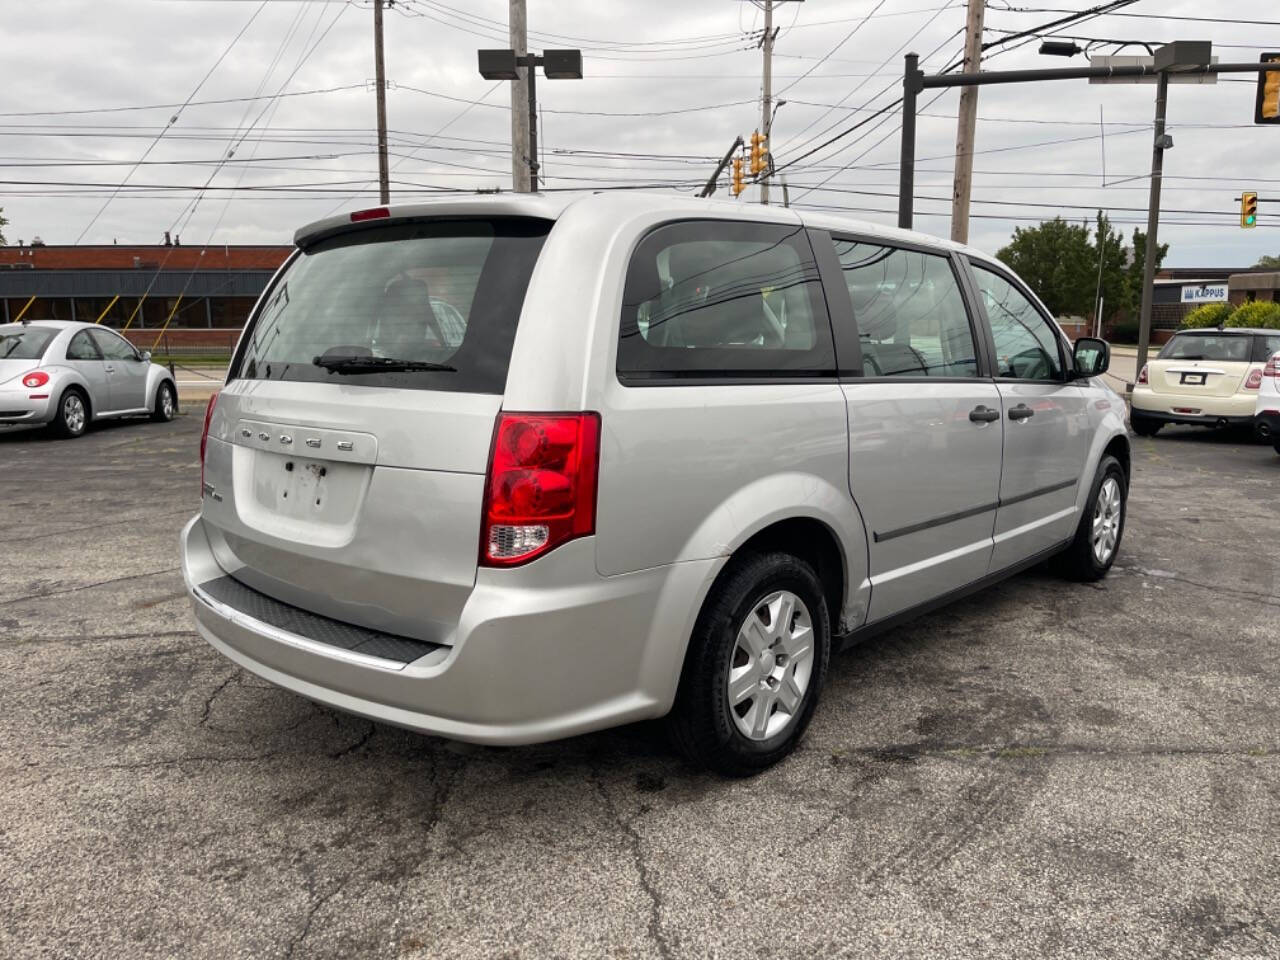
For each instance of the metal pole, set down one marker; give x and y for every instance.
(380, 78)
(1153, 223)
(966, 125)
(767, 99)
(786, 197)
(520, 95)
(531, 78)
(907, 162)
(710, 188)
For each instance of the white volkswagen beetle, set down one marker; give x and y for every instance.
(69, 374)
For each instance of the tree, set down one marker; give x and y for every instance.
(1271, 263)
(3, 221)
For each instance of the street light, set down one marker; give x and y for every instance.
(556, 64)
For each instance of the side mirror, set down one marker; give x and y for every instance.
(146, 356)
(1092, 357)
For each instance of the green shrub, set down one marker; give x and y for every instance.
(1208, 315)
(1259, 313)
(1124, 331)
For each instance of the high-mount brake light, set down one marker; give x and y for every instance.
(540, 488)
(36, 378)
(377, 213)
(204, 437)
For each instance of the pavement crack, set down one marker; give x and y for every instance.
(179, 761)
(642, 867)
(208, 704)
(1265, 599)
(368, 735)
(186, 511)
(315, 908)
(82, 639)
(85, 586)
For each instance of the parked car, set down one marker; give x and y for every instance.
(683, 450)
(1266, 419)
(68, 374)
(1208, 378)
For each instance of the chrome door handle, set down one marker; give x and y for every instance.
(983, 414)
(1021, 412)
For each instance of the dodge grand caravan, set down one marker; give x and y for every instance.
(507, 469)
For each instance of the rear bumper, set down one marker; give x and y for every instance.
(541, 652)
(16, 406)
(1236, 409)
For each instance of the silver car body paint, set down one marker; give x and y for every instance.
(382, 526)
(118, 388)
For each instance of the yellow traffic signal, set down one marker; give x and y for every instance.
(1268, 108)
(1248, 210)
(759, 150)
(737, 186)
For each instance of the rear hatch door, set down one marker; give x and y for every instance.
(345, 467)
(1209, 364)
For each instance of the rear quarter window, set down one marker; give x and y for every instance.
(440, 292)
(722, 299)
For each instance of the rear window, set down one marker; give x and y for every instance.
(1264, 345)
(444, 294)
(713, 298)
(18, 342)
(1223, 347)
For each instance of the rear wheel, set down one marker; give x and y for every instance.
(166, 406)
(1097, 539)
(755, 666)
(72, 418)
(1144, 427)
(1276, 446)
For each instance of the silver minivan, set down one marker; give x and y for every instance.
(511, 468)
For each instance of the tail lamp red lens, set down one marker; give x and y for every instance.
(540, 489)
(36, 378)
(1142, 374)
(1254, 380)
(204, 436)
(1272, 369)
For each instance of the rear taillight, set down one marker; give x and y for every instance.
(540, 489)
(36, 378)
(1142, 374)
(204, 436)
(1272, 369)
(1254, 380)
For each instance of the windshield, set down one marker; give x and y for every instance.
(426, 305)
(1223, 347)
(19, 342)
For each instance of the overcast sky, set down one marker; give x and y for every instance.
(687, 72)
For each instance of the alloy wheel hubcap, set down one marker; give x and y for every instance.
(73, 413)
(771, 666)
(1106, 520)
(166, 402)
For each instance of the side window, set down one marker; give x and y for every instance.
(909, 311)
(82, 348)
(718, 298)
(1264, 346)
(113, 347)
(1027, 348)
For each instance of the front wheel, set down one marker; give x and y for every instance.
(755, 666)
(166, 403)
(1097, 539)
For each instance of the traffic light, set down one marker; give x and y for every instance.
(758, 153)
(1268, 108)
(1248, 210)
(737, 186)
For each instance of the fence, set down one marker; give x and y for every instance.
(189, 342)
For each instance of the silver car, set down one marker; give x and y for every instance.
(68, 374)
(682, 451)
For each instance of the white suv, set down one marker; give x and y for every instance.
(678, 451)
(1266, 419)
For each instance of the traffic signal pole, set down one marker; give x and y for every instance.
(380, 78)
(710, 188)
(767, 98)
(1153, 221)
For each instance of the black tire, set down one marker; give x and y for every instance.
(701, 724)
(1276, 446)
(71, 421)
(1144, 427)
(1080, 561)
(162, 413)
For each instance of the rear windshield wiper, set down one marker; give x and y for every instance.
(354, 363)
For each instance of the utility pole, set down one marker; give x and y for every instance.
(767, 100)
(1153, 220)
(966, 125)
(380, 78)
(521, 182)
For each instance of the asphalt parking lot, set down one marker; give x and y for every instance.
(1045, 770)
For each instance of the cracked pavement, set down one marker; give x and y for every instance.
(1046, 769)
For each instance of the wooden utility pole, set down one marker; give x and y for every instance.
(520, 150)
(767, 99)
(380, 78)
(967, 124)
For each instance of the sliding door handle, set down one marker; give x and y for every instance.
(1021, 412)
(981, 414)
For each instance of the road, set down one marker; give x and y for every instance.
(1046, 770)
